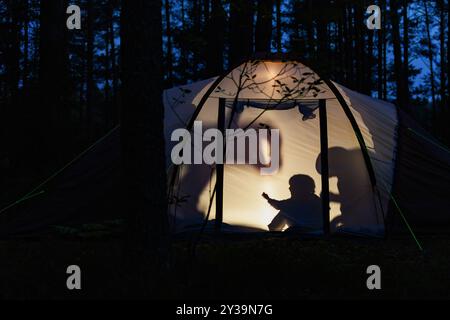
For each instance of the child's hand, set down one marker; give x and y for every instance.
(265, 196)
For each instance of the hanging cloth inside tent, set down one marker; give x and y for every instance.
(306, 108)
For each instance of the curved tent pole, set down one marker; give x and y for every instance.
(355, 127)
(194, 117)
(361, 141)
(366, 156)
(325, 195)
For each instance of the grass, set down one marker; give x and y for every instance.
(270, 267)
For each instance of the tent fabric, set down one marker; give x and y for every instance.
(378, 123)
(422, 179)
(408, 164)
(87, 191)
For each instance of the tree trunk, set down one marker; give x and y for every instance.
(107, 87)
(113, 59)
(183, 48)
(369, 57)
(448, 60)
(215, 39)
(169, 56)
(241, 31)
(206, 11)
(196, 14)
(398, 67)
(26, 45)
(90, 69)
(406, 55)
(279, 33)
(447, 106)
(346, 40)
(360, 48)
(263, 35)
(322, 62)
(430, 60)
(340, 47)
(349, 46)
(53, 80)
(143, 151)
(10, 65)
(12, 62)
(442, 69)
(298, 41)
(310, 31)
(384, 18)
(381, 40)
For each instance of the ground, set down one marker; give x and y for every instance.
(274, 267)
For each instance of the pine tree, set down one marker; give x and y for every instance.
(263, 34)
(215, 29)
(241, 31)
(142, 136)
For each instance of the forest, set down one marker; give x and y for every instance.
(63, 90)
(62, 87)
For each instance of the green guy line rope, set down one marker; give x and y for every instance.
(398, 207)
(21, 200)
(406, 222)
(403, 218)
(429, 140)
(32, 193)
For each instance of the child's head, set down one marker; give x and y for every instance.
(301, 184)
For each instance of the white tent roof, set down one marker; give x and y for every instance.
(271, 80)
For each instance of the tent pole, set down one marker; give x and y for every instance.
(324, 166)
(361, 142)
(220, 167)
(356, 129)
(194, 116)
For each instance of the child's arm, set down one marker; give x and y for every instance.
(274, 203)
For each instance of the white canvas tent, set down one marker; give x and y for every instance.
(360, 136)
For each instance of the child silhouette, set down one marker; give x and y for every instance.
(302, 211)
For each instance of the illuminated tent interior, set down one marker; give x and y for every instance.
(310, 113)
(356, 154)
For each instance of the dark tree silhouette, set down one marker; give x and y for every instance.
(448, 61)
(13, 50)
(26, 43)
(279, 26)
(215, 28)
(406, 55)
(442, 57)
(112, 4)
(142, 133)
(241, 30)
(169, 55)
(381, 45)
(53, 80)
(430, 60)
(396, 43)
(263, 34)
(90, 67)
